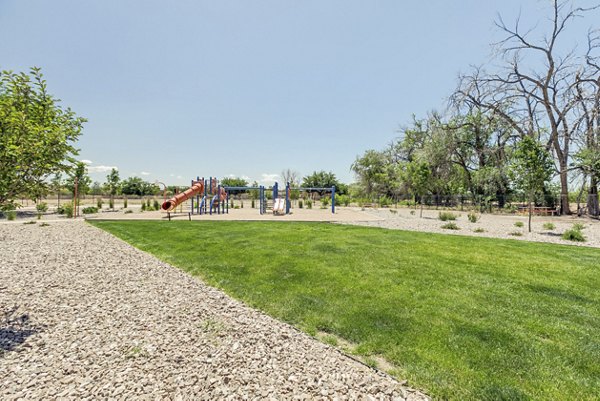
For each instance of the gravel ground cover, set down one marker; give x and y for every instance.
(493, 225)
(86, 316)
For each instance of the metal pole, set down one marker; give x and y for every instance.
(333, 199)
(75, 203)
(192, 200)
(287, 198)
(261, 195)
(197, 198)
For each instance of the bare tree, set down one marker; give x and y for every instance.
(291, 176)
(537, 98)
(588, 92)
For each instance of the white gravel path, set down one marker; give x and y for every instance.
(86, 316)
(494, 225)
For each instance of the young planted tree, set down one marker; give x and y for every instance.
(84, 182)
(80, 177)
(56, 186)
(531, 168)
(113, 184)
(37, 136)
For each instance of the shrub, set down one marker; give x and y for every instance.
(325, 200)
(44, 224)
(68, 209)
(450, 226)
(412, 212)
(300, 204)
(384, 201)
(445, 216)
(128, 211)
(11, 214)
(519, 224)
(393, 211)
(125, 203)
(148, 204)
(516, 233)
(60, 209)
(479, 230)
(309, 204)
(30, 222)
(143, 206)
(343, 200)
(473, 217)
(574, 234)
(252, 204)
(111, 203)
(90, 210)
(42, 208)
(549, 226)
(157, 205)
(99, 203)
(578, 226)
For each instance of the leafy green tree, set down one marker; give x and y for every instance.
(96, 188)
(254, 193)
(320, 179)
(132, 186)
(234, 182)
(56, 185)
(370, 170)
(113, 184)
(137, 186)
(37, 136)
(531, 168)
(83, 180)
(417, 176)
(150, 188)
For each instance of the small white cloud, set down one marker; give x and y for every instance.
(180, 177)
(268, 179)
(145, 173)
(101, 169)
(171, 175)
(86, 161)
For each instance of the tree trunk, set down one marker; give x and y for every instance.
(592, 201)
(421, 215)
(530, 212)
(565, 208)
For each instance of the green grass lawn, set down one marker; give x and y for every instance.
(461, 317)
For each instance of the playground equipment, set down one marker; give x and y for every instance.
(172, 203)
(282, 205)
(214, 198)
(315, 189)
(208, 196)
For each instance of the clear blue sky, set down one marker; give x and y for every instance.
(247, 88)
